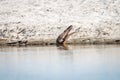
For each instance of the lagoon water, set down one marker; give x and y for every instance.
(88, 62)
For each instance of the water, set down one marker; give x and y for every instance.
(88, 62)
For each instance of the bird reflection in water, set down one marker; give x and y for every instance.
(63, 47)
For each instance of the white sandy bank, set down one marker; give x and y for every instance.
(46, 19)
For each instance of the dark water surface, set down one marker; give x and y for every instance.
(88, 62)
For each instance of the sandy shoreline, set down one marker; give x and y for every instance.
(4, 42)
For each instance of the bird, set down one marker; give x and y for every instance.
(63, 37)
